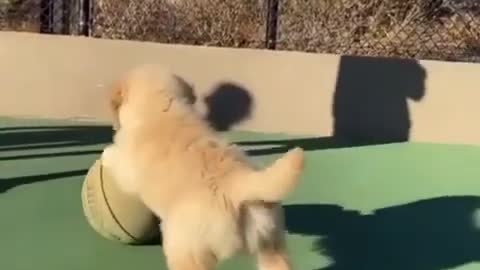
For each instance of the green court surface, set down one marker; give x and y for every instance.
(392, 207)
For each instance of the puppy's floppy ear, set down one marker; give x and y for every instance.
(166, 102)
(187, 90)
(180, 90)
(118, 96)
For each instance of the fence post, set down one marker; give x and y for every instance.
(66, 17)
(46, 16)
(56, 16)
(272, 23)
(86, 17)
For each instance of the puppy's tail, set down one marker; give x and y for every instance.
(275, 182)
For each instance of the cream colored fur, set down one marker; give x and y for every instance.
(213, 202)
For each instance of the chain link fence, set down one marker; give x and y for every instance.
(428, 29)
(233, 23)
(68, 17)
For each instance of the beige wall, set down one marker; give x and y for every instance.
(66, 77)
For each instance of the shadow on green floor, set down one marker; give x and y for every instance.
(282, 146)
(432, 234)
(41, 137)
(54, 139)
(8, 183)
(51, 155)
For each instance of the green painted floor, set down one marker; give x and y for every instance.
(356, 209)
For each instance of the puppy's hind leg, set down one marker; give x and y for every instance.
(265, 234)
(182, 253)
(276, 259)
(181, 259)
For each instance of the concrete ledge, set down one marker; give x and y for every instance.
(298, 93)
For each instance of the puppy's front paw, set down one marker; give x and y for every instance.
(108, 156)
(123, 175)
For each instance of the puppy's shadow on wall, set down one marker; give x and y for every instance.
(369, 106)
(371, 98)
(227, 105)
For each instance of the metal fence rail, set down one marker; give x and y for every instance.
(428, 29)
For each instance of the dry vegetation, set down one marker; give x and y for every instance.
(20, 15)
(233, 23)
(407, 28)
(412, 28)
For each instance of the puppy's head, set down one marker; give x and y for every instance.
(145, 90)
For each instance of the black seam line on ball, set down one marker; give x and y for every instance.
(110, 209)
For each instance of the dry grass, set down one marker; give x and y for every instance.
(405, 28)
(20, 15)
(237, 23)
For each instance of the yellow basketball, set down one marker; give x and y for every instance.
(114, 214)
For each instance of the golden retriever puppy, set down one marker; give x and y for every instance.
(212, 201)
